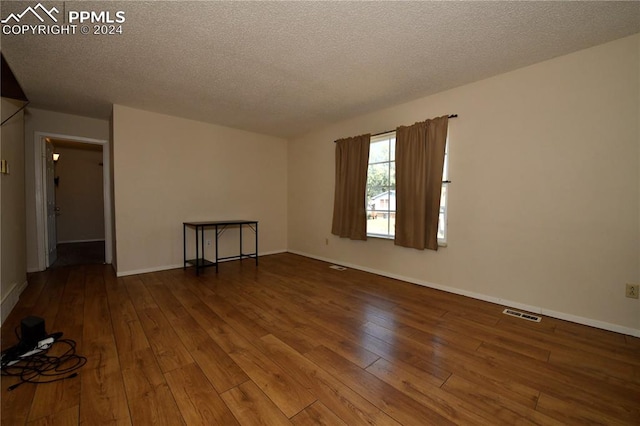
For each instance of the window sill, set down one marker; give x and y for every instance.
(388, 237)
(381, 237)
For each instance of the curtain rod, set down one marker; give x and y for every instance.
(389, 131)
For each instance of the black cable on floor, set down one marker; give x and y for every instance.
(42, 368)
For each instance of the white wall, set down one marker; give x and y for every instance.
(544, 206)
(79, 194)
(37, 120)
(169, 170)
(13, 270)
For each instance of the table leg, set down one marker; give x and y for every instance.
(216, 249)
(202, 243)
(240, 242)
(184, 246)
(197, 253)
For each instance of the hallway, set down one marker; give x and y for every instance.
(74, 254)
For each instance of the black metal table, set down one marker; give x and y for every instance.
(219, 225)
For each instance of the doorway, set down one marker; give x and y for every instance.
(78, 203)
(74, 239)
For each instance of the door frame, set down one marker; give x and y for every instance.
(41, 193)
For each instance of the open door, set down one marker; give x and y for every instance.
(52, 239)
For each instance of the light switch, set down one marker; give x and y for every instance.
(4, 167)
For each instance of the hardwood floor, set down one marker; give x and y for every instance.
(295, 342)
(73, 254)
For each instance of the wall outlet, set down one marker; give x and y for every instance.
(632, 291)
(208, 243)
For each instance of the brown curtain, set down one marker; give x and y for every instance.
(349, 214)
(419, 162)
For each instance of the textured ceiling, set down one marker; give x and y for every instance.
(285, 68)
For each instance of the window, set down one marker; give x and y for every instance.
(442, 219)
(381, 189)
(381, 186)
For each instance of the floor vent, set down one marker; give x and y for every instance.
(338, 267)
(522, 315)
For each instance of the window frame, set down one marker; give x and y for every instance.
(444, 206)
(377, 139)
(442, 242)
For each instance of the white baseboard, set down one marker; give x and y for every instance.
(507, 303)
(269, 253)
(147, 270)
(167, 267)
(10, 300)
